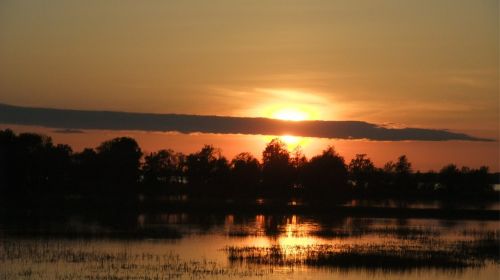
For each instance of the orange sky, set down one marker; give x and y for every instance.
(429, 64)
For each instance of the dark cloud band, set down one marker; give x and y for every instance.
(78, 119)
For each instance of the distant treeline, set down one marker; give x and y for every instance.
(31, 165)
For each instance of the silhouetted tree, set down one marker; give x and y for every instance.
(245, 174)
(449, 178)
(60, 169)
(86, 173)
(207, 171)
(7, 155)
(159, 171)
(299, 162)
(404, 174)
(31, 165)
(362, 172)
(427, 182)
(398, 176)
(277, 171)
(34, 171)
(119, 162)
(479, 180)
(403, 166)
(326, 175)
(465, 180)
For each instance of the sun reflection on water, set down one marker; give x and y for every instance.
(296, 234)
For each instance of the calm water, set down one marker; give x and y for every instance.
(187, 246)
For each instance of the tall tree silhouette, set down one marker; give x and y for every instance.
(404, 174)
(398, 176)
(86, 173)
(277, 171)
(299, 162)
(207, 168)
(119, 162)
(465, 180)
(362, 173)
(60, 169)
(449, 178)
(31, 165)
(326, 175)
(159, 171)
(245, 174)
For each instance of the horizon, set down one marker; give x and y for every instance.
(187, 133)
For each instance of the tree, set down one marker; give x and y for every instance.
(207, 168)
(299, 162)
(404, 172)
(277, 171)
(465, 180)
(362, 172)
(7, 154)
(31, 166)
(159, 170)
(326, 175)
(119, 162)
(479, 181)
(59, 171)
(449, 178)
(398, 176)
(86, 173)
(245, 174)
(403, 166)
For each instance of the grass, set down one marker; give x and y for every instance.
(398, 232)
(45, 259)
(425, 253)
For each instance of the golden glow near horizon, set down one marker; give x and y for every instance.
(291, 114)
(289, 105)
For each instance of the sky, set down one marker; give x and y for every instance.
(424, 64)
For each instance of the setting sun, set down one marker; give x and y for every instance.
(292, 142)
(290, 114)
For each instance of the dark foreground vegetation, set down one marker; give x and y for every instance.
(30, 164)
(36, 174)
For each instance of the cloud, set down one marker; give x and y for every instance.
(77, 119)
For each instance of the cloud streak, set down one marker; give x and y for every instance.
(80, 119)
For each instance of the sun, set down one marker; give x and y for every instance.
(290, 114)
(291, 142)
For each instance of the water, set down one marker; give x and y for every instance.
(189, 246)
(429, 204)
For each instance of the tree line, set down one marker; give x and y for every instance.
(31, 165)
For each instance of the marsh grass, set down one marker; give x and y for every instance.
(44, 259)
(423, 253)
(398, 232)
